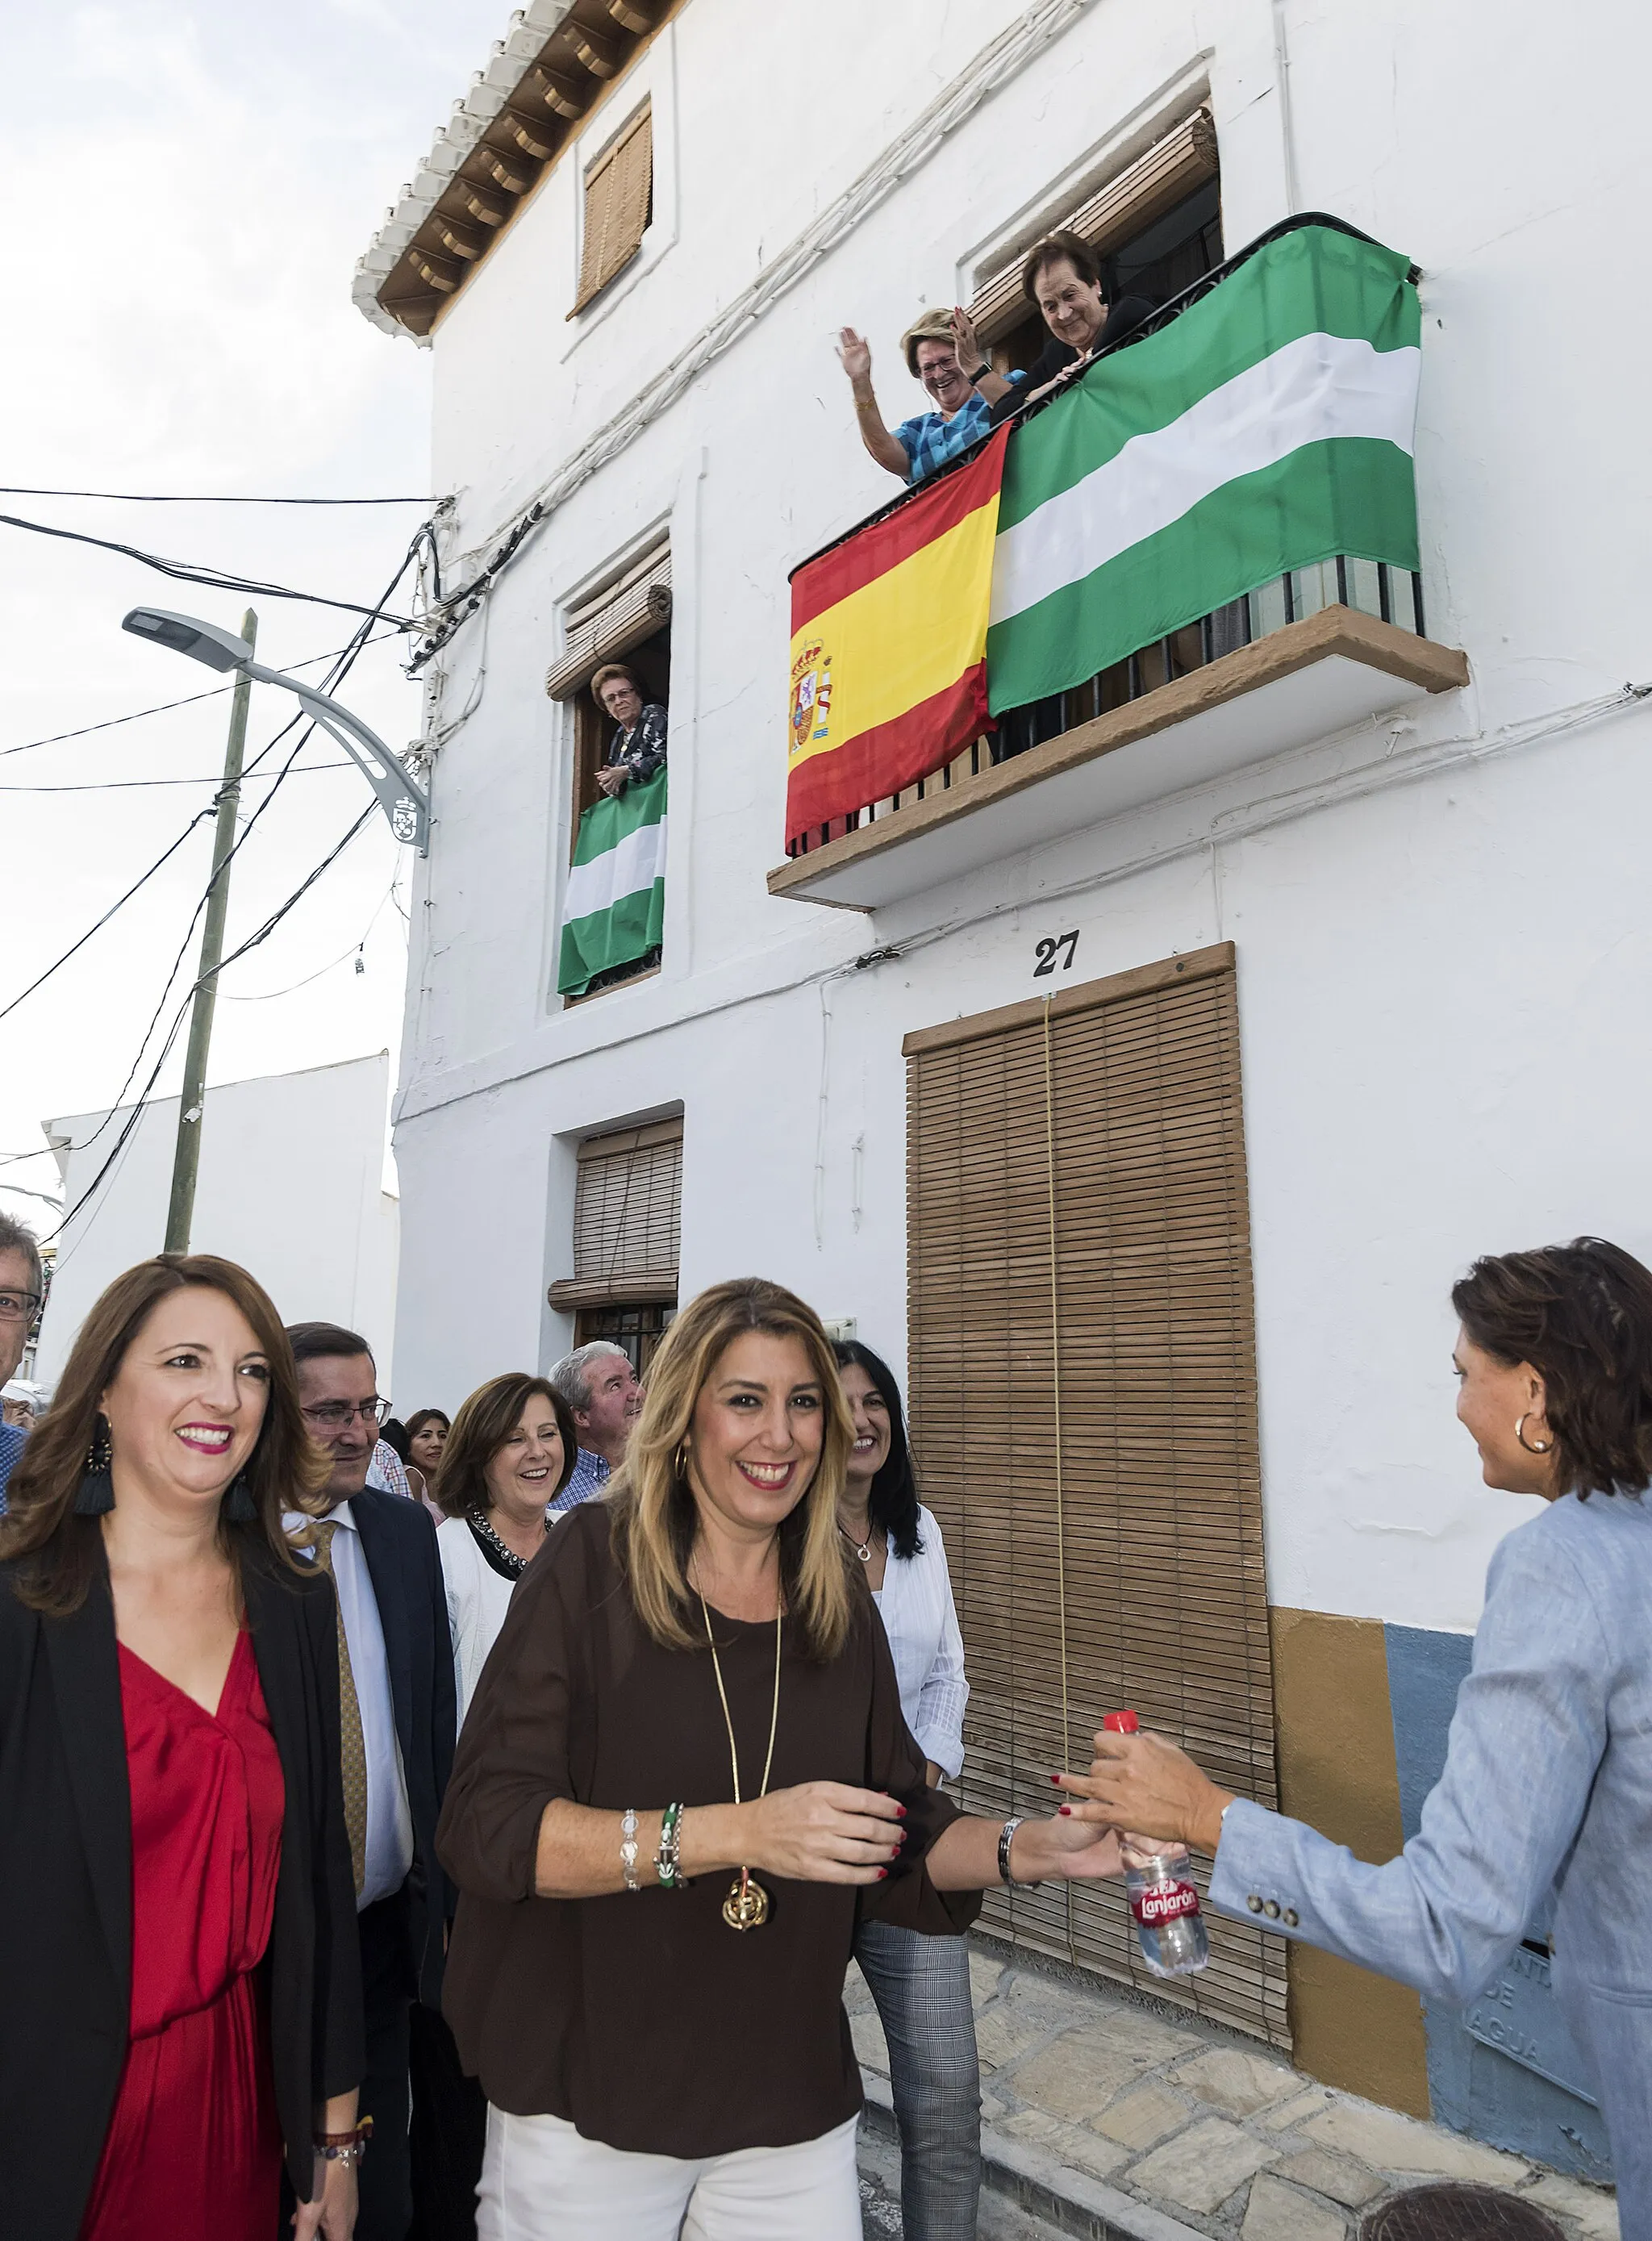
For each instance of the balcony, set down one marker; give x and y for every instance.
(1305, 445)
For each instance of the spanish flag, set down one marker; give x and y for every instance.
(889, 647)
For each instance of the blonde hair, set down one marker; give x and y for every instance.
(935, 325)
(654, 1515)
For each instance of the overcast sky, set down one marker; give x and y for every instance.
(188, 188)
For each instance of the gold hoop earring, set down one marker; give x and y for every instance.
(1532, 1446)
(679, 1461)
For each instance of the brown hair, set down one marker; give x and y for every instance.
(1054, 248)
(285, 1471)
(483, 1425)
(655, 1519)
(1582, 1316)
(420, 1417)
(607, 675)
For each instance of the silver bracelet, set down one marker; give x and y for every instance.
(1006, 1837)
(628, 1848)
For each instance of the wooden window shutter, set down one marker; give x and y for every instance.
(1168, 174)
(618, 201)
(609, 625)
(1089, 1446)
(627, 1213)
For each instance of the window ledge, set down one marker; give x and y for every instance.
(1298, 685)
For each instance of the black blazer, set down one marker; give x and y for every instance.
(66, 1886)
(399, 1540)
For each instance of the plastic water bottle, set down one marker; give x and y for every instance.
(1169, 1928)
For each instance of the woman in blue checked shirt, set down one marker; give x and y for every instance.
(943, 354)
(920, 1984)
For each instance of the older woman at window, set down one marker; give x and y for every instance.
(942, 352)
(638, 747)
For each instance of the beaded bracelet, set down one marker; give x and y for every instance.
(346, 2148)
(667, 1859)
(628, 1848)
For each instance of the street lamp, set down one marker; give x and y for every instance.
(405, 801)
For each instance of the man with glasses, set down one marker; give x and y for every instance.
(21, 1287)
(396, 1704)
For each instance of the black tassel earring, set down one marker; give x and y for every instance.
(96, 1495)
(239, 1507)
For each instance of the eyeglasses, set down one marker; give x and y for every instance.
(19, 1306)
(333, 1415)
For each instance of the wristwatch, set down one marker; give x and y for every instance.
(980, 372)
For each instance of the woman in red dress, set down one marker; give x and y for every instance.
(176, 1904)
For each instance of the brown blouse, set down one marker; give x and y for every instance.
(640, 2017)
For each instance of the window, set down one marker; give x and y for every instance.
(628, 619)
(628, 1215)
(1157, 228)
(619, 205)
(1083, 1399)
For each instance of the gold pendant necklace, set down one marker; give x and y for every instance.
(746, 1906)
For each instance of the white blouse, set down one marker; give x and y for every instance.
(478, 1598)
(922, 1622)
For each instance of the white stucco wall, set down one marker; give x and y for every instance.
(1443, 966)
(291, 1186)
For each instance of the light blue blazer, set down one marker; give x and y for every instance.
(1547, 1785)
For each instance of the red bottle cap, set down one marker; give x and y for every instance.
(1121, 1723)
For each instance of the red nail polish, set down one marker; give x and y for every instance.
(900, 1812)
(1064, 1808)
(1056, 1779)
(883, 1875)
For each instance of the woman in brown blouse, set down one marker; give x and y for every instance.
(691, 1702)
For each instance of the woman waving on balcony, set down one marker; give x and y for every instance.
(942, 352)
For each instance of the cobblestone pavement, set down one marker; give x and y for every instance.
(1122, 2111)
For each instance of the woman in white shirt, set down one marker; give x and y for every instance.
(510, 1452)
(920, 1984)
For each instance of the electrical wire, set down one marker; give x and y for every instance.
(215, 579)
(40, 982)
(164, 708)
(343, 663)
(242, 949)
(269, 995)
(121, 785)
(175, 497)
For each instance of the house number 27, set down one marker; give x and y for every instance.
(1052, 948)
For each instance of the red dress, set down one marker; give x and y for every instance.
(194, 2148)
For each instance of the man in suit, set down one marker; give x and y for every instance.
(397, 1720)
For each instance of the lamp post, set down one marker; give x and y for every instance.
(404, 802)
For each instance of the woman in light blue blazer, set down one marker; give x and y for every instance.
(1548, 1780)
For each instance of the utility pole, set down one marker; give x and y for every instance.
(186, 1158)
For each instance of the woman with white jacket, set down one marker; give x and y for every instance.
(511, 1452)
(920, 1984)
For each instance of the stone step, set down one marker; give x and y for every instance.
(1113, 2116)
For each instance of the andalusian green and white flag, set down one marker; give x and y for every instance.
(615, 911)
(1266, 427)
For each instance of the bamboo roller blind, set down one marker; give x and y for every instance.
(605, 627)
(627, 1214)
(1170, 171)
(619, 188)
(1089, 1446)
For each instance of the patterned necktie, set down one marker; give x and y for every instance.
(354, 1749)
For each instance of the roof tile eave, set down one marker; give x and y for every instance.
(488, 92)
